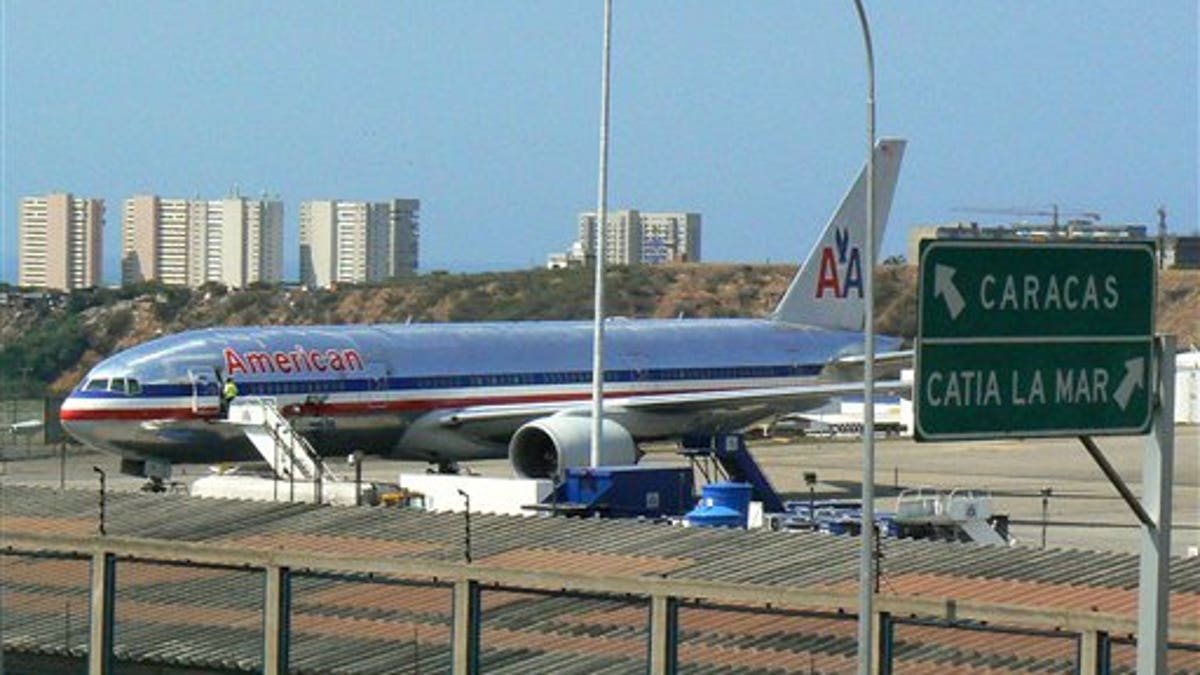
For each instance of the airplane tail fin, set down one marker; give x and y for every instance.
(828, 291)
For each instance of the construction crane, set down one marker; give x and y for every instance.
(1051, 210)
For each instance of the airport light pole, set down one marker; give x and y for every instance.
(866, 579)
(598, 252)
(810, 478)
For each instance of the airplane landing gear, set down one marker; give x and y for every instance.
(154, 484)
(445, 466)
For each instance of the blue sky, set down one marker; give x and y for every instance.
(750, 113)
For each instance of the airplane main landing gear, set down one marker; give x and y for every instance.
(444, 466)
(156, 471)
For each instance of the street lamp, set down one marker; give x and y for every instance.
(597, 430)
(866, 578)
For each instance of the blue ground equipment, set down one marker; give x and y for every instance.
(722, 505)
(623, 492)
(730, 453)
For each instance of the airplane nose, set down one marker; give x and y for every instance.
(72, 420)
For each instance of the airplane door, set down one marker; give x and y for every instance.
(377, 386)
(205, 392)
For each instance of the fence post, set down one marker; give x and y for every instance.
(664, 631)
(881, 651)
(465, 630)
(277, 620)
(1091, 657)
(103, 598)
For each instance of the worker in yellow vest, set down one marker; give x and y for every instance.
(229, 393)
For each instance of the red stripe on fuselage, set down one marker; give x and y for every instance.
(89, 414)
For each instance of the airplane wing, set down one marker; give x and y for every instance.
(775, 398)
(901, 357)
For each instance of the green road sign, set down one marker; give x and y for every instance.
(1034, 339)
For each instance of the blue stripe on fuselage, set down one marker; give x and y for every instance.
(259, 386)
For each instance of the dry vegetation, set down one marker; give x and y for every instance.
(58, 344)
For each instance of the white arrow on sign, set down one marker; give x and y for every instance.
(1135, 369)
(943, 285)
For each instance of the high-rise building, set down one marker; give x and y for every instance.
(188, 242)
(356, 242)
(61, 242)
(404, 236)
(632, 237)
(670, 237)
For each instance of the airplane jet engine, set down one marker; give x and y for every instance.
(543, 447)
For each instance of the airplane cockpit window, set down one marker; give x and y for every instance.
(117, 385)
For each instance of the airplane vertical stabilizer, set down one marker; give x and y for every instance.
(828, 290)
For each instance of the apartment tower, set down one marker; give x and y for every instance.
(61, 242)
(632, 237)
(358, 242)
(188, 242)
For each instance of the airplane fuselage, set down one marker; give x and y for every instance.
(449, 392)
(375, 388)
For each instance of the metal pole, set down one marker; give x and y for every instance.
(866, 577)
(812, 508)
(1115, 478)
(467, 523)
(102, 480)
(1046, 492)
(358, 482)
(598, 252)
(1154, 569)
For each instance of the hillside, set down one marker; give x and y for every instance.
(50, 343)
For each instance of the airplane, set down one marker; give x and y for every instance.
(447, 393)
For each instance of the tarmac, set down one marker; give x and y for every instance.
(1083, 510)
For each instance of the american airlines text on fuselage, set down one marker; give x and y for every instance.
(299, 359)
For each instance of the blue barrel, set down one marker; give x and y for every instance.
(734, 496)
(722, 505)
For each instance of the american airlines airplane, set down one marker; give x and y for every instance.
(452, 392)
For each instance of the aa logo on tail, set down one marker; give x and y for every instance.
(841, 268)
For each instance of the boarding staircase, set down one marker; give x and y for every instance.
(958, 510)
(729, 453)
(285, 450)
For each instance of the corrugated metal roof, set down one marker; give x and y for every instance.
(207, 617)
